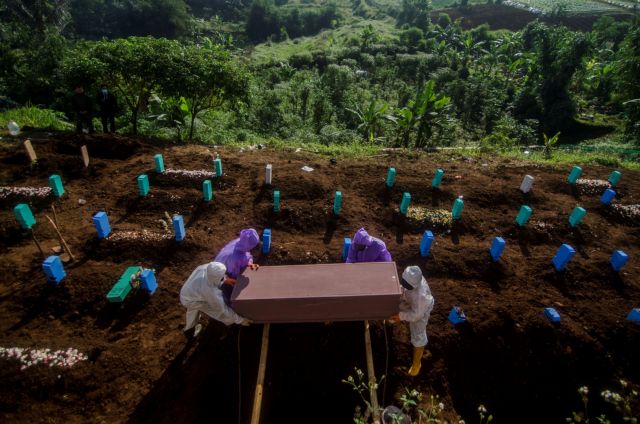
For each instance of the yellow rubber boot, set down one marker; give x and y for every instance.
(417, 361)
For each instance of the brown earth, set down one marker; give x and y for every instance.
(141, 369)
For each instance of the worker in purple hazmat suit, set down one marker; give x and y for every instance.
(365, 248)
(236, 256)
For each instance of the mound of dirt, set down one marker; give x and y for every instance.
(141, 369)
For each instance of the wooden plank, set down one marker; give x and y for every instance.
(85, 156)
(257, 399)
(30, 151)
(373, 395)
(318, 293)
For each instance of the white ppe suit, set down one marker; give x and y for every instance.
(202, 294)
(415, 307)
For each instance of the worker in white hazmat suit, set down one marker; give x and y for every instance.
(415, 307)
(202, 293)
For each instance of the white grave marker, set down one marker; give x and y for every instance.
(527, 183)
(30, 151)
(85, 156)
(268, 174)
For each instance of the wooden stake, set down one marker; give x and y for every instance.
(85, 156)
(373, 396)
(30, 151)
(64, 243)
(35, 240)
(257, 399)
(55, 215)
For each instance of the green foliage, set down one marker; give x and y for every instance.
(559, 53)
(265, 19)
(549, 143)
(206, 77)
(415, 13)
(134, 67)
(428, 110)
(371, 119)
(626, 71)
(94, 19)
(30, 48)
(34, 117)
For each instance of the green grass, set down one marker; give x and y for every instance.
(328, 41)
(34, 117)
(574, 157)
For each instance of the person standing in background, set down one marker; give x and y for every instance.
(108, 109)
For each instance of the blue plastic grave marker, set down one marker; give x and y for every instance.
(425, 244)
(404, 205)
(497, 247)
(614, 178)
(217, 164)
(276, 201)
(337, 203)
(159, 161)
(101, 221)
(345, 248)
(56, 185)
(24, 216)
(266, 241)
(437, 179)
(457, 316)
(563, 256)
(607, 196)
(618, 260)
(523, 215)
(458, 205)
(391, 177)
(54, 270)
(552, 314)
(148, 281)
(574, 174)
(634, 315)
(178, 227)
(207, 190)
(576, 216)
(143, 185)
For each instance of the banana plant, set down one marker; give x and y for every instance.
(549, 143)
(428, 110)
(371, 119)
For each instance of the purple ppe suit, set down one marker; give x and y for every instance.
(375, 250)
(235, 255)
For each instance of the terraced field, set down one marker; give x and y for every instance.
(572, 6)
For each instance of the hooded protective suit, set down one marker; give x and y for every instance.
(416, 305)
(375, 250)
(235, 255)
(201, 293)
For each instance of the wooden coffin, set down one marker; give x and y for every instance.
(318, 293)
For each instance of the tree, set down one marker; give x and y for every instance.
(626, 71)
(38, 15)
(368, 36)
(206, 77)
(415, 13)
(558, 54)
(133, 66)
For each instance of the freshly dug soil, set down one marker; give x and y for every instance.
(140, 367)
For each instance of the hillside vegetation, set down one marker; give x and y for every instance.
(381, 73)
